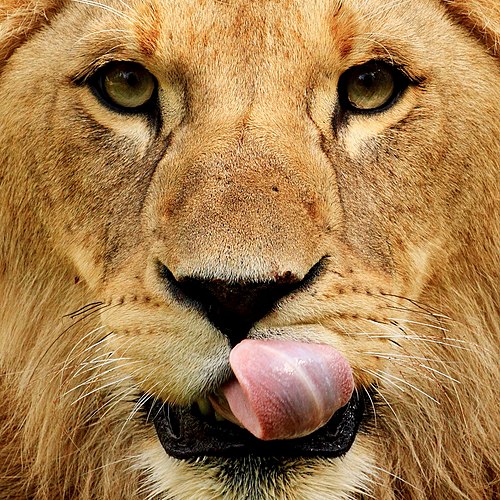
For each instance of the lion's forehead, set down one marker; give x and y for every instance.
(244, 43)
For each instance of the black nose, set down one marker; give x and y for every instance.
(233, 307)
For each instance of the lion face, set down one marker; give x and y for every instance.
(229, 176)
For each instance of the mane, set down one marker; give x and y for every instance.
(444, 432)
(64, 424)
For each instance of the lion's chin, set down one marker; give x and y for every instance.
(186, 434)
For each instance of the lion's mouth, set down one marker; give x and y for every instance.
(286, 398)
(189, 433)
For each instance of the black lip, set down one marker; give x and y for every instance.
(185, 435)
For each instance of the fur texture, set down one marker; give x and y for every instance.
(246, 176)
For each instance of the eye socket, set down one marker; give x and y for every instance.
(125, 86)
(371, 87)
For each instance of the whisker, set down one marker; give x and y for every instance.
(405, 382)
(385, 471)
(139, 403)
(373, 405)
(90, 312)
(73, 349)
(100, 388)
(96, 365)
(438, 317)
(114, 401)
(93, 34)
(423, 307)
(414, 368)
(137, 407)
(98, 343)
(388, 405)
(424, 339)
(108, 8)
(402, 320)
(56, 341)
(93, 364)
(439, 373)
(391, 355)
(125, 4)
(83, 309)
(378, 374)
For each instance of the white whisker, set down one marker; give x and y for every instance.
(100, 388)
(105, 7)
(94, 365)
(439, 373)
(373, 406)
(389, 406)
(69, 357)
(401, 320)
(396, 356)
(385, 471)
(405, 382)
(425, 339)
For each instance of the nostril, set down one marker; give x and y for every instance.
(234, 306)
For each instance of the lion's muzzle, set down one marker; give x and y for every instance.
(284, 396)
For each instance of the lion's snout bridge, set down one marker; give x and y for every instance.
(250, 231)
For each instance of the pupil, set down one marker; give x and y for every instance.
(131, 79)
(368, 80)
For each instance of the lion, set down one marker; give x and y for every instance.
(249, 249)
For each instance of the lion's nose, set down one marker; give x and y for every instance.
(233, 307)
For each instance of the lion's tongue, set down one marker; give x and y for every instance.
(285, 389)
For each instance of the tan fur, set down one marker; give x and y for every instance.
(247, 179)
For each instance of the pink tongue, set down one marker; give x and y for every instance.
(285, 389)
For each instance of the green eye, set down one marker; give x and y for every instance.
(127, 86)
(371, 87)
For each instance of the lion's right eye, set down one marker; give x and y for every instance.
(124, 86)
(371, 87)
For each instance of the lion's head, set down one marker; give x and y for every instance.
(248, 249)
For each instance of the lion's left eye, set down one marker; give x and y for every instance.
(126, 86)
(371, 87)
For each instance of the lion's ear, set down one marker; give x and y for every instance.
(20, 18)
(481, 17)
